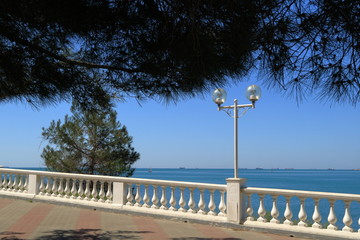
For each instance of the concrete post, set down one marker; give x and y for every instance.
(119, 193)
(235, 203)
(34, 182)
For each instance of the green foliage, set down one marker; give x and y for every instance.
(90, 50)
(91, 141)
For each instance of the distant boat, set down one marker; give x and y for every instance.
(181, 167)
(331, 169)
(259, 168)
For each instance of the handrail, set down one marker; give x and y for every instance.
(117, 179)
(300, 193)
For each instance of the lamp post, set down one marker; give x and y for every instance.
(253, 93)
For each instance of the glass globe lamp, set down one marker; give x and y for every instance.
(253, 93)
(219, 96)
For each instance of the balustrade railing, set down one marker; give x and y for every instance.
(233, 202)
(199, 198)
(308, 212)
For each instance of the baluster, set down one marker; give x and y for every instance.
(15, 183)
(5, 182)
(316, 215)
(74, 189)
(332, 217)
(173, 200)
(261, 210)
(275, 211)
(81, 189)
(347, 220)
(155, 199)
(87, 190)
(222, 205)
(182, 202)
(201, 203)
(26, 183)
(20, 185)
(212, 205)
(191, 202)
(61, 188)
(1, 180)
(163, 199)
(302, 214)
(249, 209)
(102, 192)
(288, 213)
(129, 196)
(146, 198)
(54, 188)
(48, 186)
(359, 224)
(94, 192)
(10, 182)
(109, 194)
(138, 196)
(42, 185)
(67, 188)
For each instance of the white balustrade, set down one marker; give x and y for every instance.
(208, 200)
(302, 214)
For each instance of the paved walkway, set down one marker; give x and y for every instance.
(21, 219)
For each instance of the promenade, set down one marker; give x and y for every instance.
(20, 219)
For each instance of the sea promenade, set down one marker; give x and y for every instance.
(36, 220)
(228, 205)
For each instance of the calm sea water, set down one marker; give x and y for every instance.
(338, 181)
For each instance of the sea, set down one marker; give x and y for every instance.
(321, 180)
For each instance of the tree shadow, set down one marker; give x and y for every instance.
(88, 234)
(10, 235)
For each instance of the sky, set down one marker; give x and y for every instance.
(278, 133)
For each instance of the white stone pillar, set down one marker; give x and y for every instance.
(235, 200)
(34, 183)
(119, 193)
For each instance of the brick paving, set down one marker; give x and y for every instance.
(21, 219)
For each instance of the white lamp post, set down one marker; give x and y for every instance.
(253, 93)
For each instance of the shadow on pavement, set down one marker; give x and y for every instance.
(88, 234)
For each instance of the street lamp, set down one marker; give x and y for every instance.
(253, 93)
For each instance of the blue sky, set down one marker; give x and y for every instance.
(193, 134)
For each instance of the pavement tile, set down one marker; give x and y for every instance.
(28, 222)
(149, 228)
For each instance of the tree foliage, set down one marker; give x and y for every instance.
(89, 142)
(92, 49)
